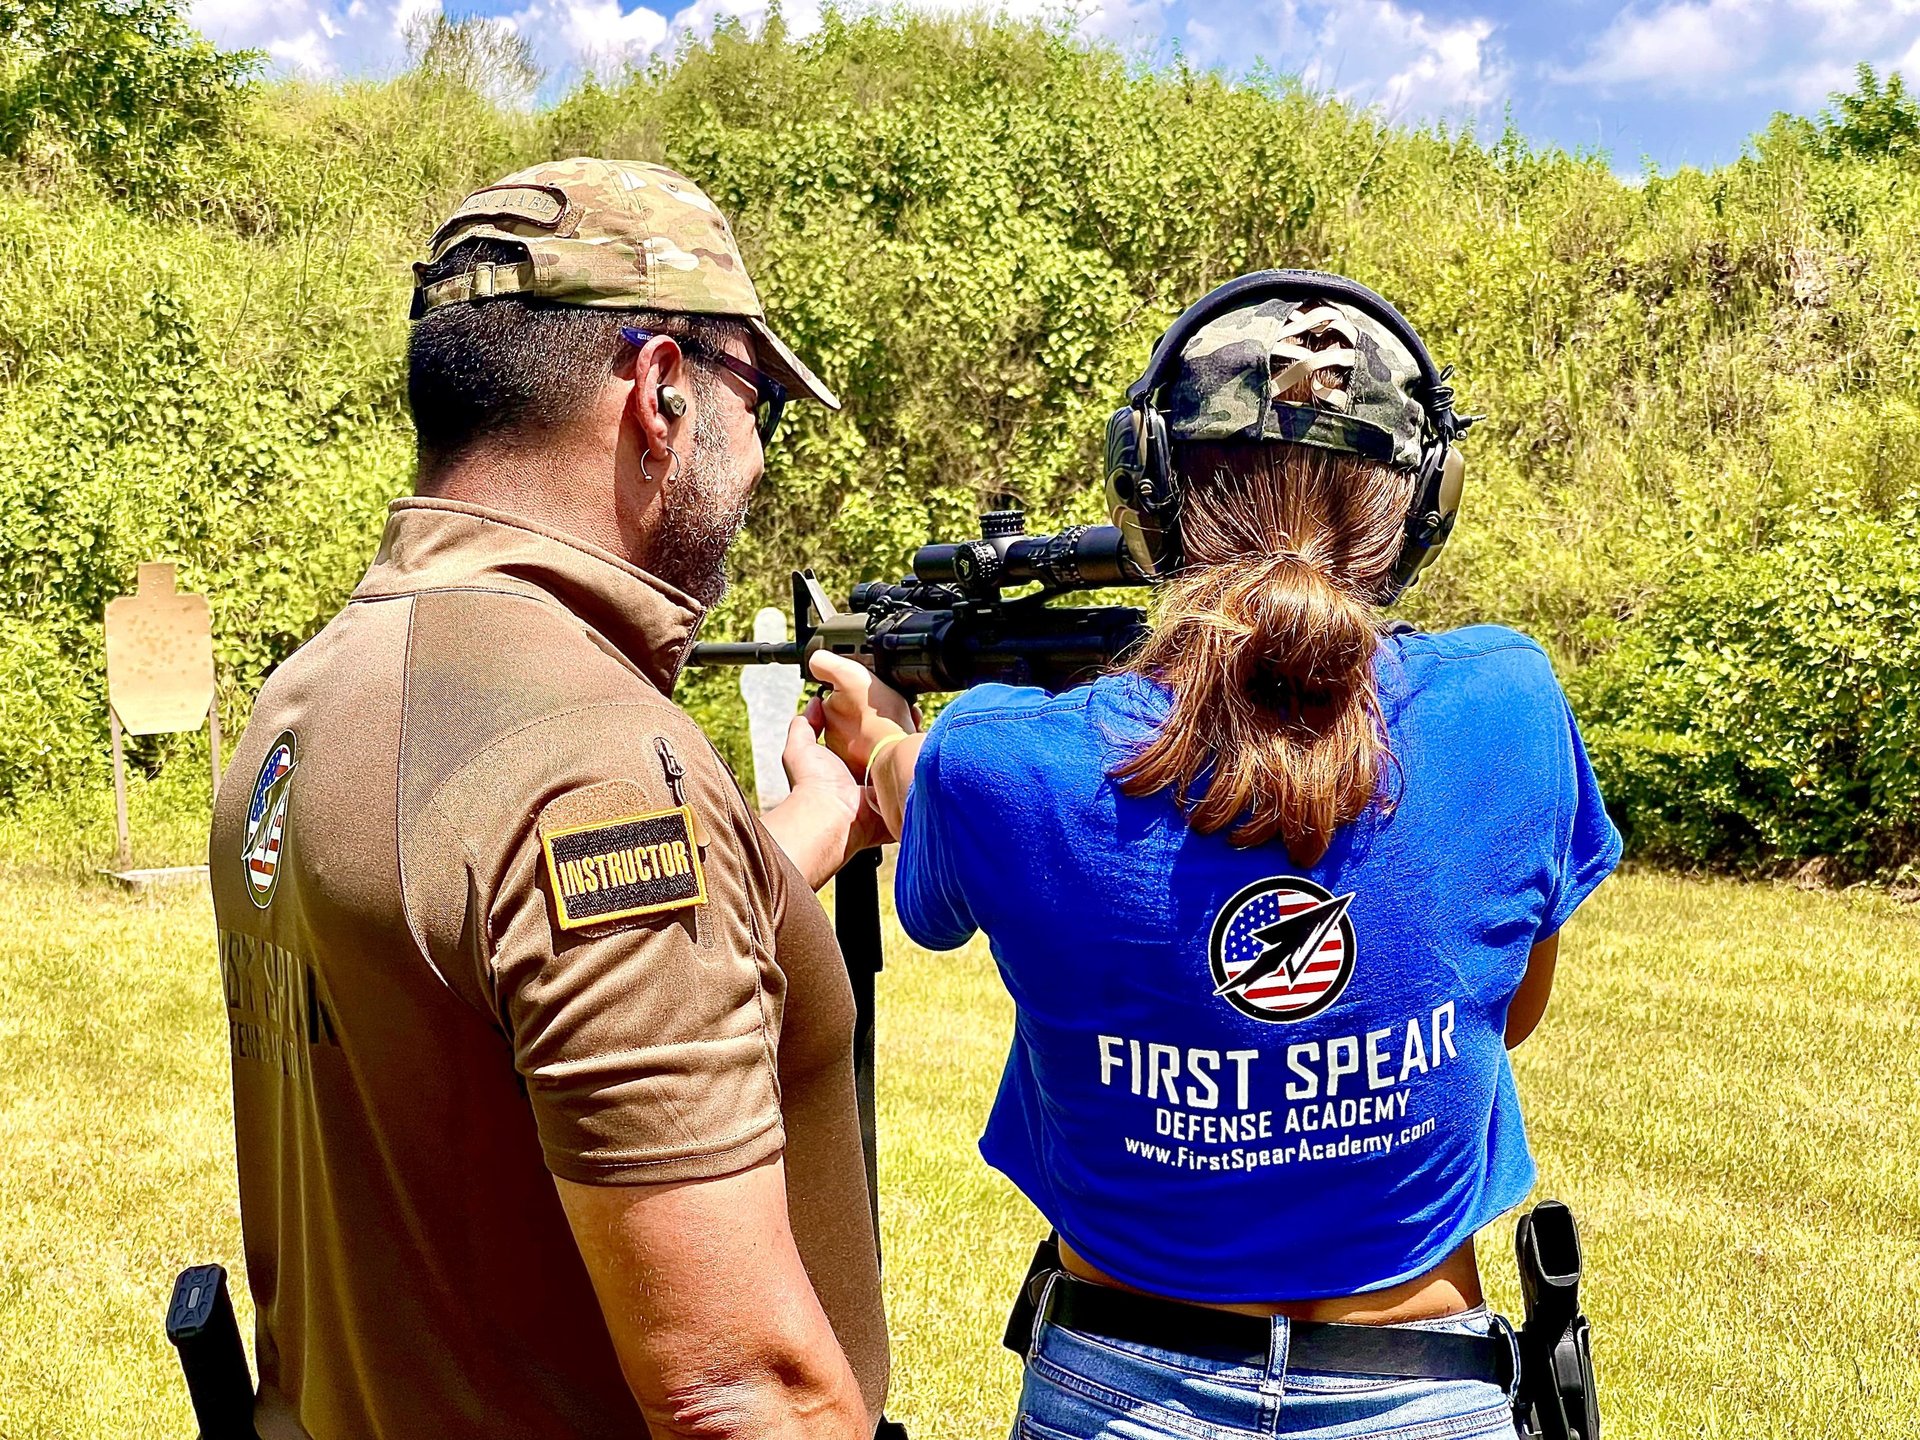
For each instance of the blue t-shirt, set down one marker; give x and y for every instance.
(1233, 1078)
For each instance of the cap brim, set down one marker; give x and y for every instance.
(773, 356)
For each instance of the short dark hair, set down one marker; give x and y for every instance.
(511, 366)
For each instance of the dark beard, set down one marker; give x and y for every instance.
(700, 519)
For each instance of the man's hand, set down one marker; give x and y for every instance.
(716, 1325)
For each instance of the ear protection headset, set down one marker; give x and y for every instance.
(1143, 488)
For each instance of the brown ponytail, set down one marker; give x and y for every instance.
(1266, 641)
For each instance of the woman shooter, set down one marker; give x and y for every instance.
(1273, 902)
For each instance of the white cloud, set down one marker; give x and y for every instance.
(1676, 45)
(1372, 51)
(304, 54)
(1448, 67)
(405, 12)
(314, 37)
(569, 36)
(1797, 50)
(216, 17)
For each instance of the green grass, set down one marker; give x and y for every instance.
(1724, 1090)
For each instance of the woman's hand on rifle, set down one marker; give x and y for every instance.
(870, 726)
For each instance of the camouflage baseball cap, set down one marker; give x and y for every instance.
(1362, 381)
(617, 235)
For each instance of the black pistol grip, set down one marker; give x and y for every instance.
(202, 1328)
(1548, 1248)
(1557, 1399)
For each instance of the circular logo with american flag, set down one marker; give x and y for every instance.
(267, 819)
(1282, 949)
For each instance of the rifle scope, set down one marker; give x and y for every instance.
(947, 627)
(1080, 557)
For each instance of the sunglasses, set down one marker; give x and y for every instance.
(769, 395)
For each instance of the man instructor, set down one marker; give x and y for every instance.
(542, 1054)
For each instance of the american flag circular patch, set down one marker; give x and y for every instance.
(1282, 949)
(267, 819)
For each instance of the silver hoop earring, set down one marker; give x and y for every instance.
(673, 467)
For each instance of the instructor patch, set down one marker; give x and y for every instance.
(613, 869)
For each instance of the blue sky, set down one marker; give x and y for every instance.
(1672, 81)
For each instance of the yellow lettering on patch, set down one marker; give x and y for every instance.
(621, 868)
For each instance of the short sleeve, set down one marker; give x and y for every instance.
(1586, 844)
(628, 955)
(927, 892)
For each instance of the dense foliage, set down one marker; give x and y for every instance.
(1768, 703)
(122, 87)
(1703, 390)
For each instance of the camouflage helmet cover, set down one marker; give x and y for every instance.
(1365, 383)
(612, 234)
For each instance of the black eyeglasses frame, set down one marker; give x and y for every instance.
(769, 395)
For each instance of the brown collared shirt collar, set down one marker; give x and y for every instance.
(433, 544)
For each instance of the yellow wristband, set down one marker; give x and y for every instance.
(881, 749)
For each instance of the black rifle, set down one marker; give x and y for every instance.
(949, 625)
(1557, 1399)
(201, 1326)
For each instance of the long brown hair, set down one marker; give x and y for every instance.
(1266, 640)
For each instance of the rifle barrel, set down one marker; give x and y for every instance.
(744, 652)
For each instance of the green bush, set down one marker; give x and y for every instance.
(976, 229)
(46, 693)
(1767, 706)
(123, 88)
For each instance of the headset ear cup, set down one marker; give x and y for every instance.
(1453, 480)
(1159, 499)
(1430, 521)
(1134, 534)
(1156, 457)
(1123, 483)
(1123, 457)
(1137, 486)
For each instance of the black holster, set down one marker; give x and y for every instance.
(1025, 1314)
(201, 1326)
(1556, 1399)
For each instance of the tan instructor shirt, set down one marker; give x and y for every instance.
(490, 906)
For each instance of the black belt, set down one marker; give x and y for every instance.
(1311, 1344)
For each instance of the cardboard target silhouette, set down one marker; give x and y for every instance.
(160, 675)
(772, 693)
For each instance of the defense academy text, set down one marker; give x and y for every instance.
(1334, 1087)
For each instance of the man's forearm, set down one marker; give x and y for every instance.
(790, 1406)
(812, 826)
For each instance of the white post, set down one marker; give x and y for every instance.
(772, 693)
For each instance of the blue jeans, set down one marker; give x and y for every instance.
(1084, 1387)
